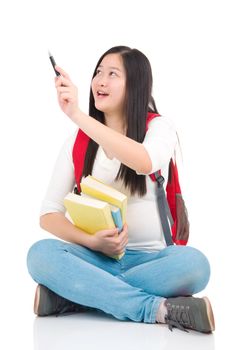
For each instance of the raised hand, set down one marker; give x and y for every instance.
(67, 93)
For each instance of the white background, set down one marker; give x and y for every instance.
(189, 47)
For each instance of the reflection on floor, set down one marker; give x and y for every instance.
(94, 329)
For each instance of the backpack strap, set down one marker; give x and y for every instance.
(163, 205)
(164, 210)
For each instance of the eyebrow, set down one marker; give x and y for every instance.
(110, 67)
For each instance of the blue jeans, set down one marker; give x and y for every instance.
(129, 289)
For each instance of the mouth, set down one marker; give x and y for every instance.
(101, 93)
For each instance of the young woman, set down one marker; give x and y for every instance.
(152, 283)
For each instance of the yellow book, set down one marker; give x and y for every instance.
(92, 215)
(97, 189)
(89, 214)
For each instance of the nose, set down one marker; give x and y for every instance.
(102, 81)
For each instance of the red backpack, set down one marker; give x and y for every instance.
(172, 210)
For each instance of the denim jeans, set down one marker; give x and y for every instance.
(129, 289)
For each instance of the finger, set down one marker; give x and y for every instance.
(124, 230)
(125, 227)
(66, 97)
(61, 81)
(111, 233)
(62, 72)
(123, 234)
(62, 89)
(124, 241)
(124, 244)
(121, 241)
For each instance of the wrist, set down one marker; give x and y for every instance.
(77, 116)
(90, 242)
(74, 115)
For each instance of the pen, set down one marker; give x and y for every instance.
(53, 62)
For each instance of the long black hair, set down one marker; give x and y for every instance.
(138, 102)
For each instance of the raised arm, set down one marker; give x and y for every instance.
(129, 152)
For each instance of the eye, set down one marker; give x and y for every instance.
(98, 71)
(113, 74)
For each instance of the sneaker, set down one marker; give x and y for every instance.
(189, 312)
(49, 303)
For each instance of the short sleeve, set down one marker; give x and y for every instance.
(62, 180)
(160, 142)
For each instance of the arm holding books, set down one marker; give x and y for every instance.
(107, 241)
(57, 224)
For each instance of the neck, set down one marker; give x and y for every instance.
(115, 122)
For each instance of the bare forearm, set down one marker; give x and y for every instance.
(123, 148)
(60, 226)
(129, 152)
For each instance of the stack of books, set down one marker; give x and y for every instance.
(97, 208)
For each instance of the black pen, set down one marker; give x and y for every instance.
(53, 62)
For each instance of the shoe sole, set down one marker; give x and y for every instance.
(36, 300)
(210, 315)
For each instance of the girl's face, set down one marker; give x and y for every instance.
(109, 85)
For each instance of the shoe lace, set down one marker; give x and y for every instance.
(178, 316)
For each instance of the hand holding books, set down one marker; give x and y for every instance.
(109, 242)
(100, 210)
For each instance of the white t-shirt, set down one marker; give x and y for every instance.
(144, 226)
